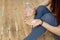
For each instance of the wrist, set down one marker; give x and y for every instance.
(41, 22)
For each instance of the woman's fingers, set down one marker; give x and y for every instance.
(33, 23)
(28, 22)
(36, 22)
(29, 12)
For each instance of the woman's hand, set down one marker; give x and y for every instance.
(29, 12)
(34, 22)
(28, 21)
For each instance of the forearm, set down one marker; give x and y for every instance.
(55, 30)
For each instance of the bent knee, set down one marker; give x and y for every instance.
(42, 7)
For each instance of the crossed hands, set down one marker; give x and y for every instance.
(34, 22)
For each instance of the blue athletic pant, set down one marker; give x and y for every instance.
(42, 13)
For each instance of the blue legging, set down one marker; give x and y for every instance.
(58, 37)
(42, 13)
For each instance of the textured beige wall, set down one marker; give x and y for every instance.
(0, 16)
(12, 21)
